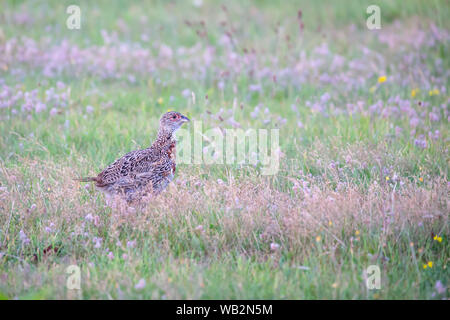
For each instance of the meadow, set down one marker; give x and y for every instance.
(363, 131)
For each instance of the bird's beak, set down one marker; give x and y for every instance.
(185, 119)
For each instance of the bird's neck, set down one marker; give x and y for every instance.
(164, 137)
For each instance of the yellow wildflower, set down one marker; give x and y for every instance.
(425, 266)
(160, 100)
(387, 178)
(330, 223)
(438, 239)
(414, 92)
(318, 238)
(335, 285)
(357, 232)
(430, 264)
(433, 92)
(382, 79)
(421, 179)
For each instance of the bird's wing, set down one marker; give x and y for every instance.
(129, 165)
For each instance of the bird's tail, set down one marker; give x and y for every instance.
(86, 179)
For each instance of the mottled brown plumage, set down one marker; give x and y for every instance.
(144, 171)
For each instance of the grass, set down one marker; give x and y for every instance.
(354, 188)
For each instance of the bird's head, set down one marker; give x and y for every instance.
(171, 121)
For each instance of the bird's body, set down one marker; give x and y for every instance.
(145, 171)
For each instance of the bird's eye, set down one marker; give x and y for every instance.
(174, 116)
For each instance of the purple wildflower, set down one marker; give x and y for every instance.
(24, 238)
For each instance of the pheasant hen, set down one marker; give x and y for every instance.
(140, 172)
